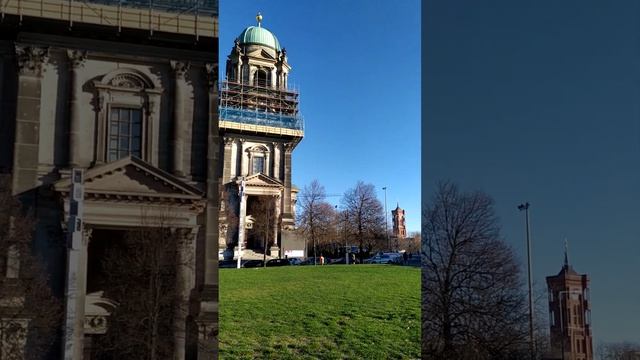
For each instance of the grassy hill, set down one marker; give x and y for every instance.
(320, 312)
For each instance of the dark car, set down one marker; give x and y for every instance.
(253, 264)
(309, 261)
(227, 264)
(278, 262)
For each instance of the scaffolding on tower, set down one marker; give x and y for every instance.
(260, 108)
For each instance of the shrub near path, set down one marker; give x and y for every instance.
(320, 312)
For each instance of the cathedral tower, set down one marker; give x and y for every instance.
(261, 126)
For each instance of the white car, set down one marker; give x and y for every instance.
(381, 259)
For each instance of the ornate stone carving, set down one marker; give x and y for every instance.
(229, 140)
(77, 57)
(212, 74)
(288, 147)
(86, 235)
(95, 324)
(31, 58)
(127, 81)
(180, 67)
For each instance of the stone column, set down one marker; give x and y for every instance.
(77, 155)
(276, 160)
(287, 215)
(206, 305)
(241, 222)
(227, 169)
(243, 158)
(25, 155)
(185, 282)
(180, 123)
(274, 78)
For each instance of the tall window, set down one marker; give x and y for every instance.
(125, 133)
(258, 164)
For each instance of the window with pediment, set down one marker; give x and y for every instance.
(127, 103)
(259, 158)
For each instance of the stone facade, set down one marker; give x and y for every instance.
(260, 127)
(132, 109)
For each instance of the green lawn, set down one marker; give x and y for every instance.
(320, 312)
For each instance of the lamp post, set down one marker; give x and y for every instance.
(386, 229)
(525, 207)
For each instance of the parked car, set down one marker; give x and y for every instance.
(309, 261)
(381, 259)
(253, 263)
(278, 262)
(227, 264)
(340, 260)
(295, 261)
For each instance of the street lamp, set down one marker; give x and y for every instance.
(386, 229)
(525, 207)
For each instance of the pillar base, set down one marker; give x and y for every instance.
(274, 251)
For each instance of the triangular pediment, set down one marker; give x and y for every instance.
(261, 54)
(263, 180)
(132, 177)
(266, 55)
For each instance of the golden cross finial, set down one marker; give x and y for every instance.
(259, 18)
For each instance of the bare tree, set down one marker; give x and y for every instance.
(29, 313)
(366, 216)
(141, 276)
(413, 242)
(229, 209)
(264, 211)
(473, 299)
(619, 351)
(311, 216)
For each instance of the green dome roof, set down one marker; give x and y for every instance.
(259, 36)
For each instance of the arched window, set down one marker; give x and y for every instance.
(260, 78)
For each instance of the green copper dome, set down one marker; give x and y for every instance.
(259, 36)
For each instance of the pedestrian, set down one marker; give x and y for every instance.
(405, 257)
(321, 260)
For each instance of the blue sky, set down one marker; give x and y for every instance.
(357, 65)
(540, 102)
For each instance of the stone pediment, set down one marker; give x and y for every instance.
(131, 176)
(262, 180)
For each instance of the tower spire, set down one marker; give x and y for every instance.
(259, 19)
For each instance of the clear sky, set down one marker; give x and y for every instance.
(357, 65)
(540, 101)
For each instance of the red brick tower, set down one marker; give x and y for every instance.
(399, 228)
(570, 314)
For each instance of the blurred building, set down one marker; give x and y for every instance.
(125, 93)
(260, 125)
(569, 314)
